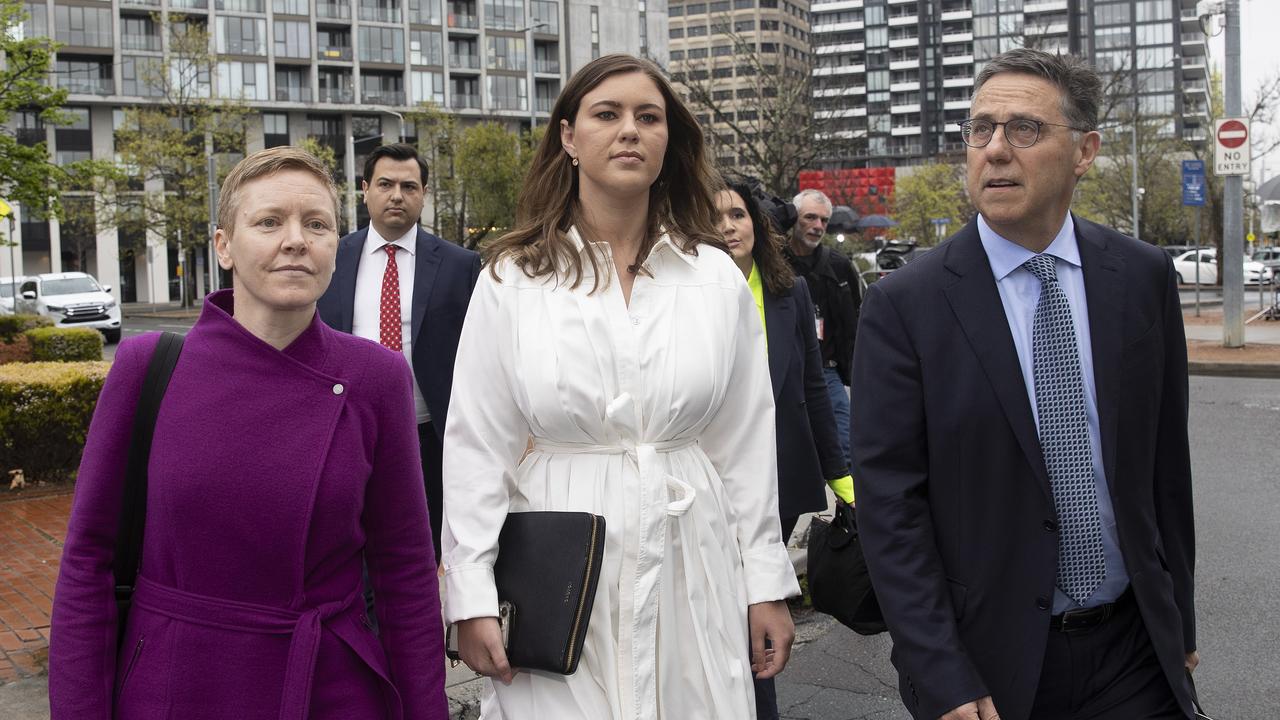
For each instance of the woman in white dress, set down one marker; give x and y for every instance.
(614, 330)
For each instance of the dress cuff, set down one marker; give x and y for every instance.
(470, 592)
(768, 574)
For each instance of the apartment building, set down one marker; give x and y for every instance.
(341, 71)
(726, 48)
(909, 65)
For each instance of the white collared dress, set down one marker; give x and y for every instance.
(658, 416)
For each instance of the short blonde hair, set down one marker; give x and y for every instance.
(269, 162)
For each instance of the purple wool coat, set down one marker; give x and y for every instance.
(272, 474)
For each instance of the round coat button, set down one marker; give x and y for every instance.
(1051, 525)
(337, 389)
(1042, 603)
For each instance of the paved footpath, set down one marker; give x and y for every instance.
(32, 531)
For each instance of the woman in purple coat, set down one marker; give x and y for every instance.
(285, 453)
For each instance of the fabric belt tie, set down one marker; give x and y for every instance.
(680, 494)
(304, 627)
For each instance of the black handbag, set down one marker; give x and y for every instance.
(839, 583)
(133, 511)
(547, 570)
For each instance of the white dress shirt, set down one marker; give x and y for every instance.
(1020, 293)
(365, 318)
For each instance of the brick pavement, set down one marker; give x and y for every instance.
(32, 531)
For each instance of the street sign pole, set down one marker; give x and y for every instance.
(1197, 262)
(1231, 264)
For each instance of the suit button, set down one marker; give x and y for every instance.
(1042, 603)
(1051, 525)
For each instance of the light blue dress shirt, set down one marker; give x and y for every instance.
(1019, 293)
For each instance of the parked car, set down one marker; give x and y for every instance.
(1269, 257)
(1176, 250)
(7, 287)
(72, 299)
(1185, 266)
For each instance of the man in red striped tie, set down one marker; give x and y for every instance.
(398, 285)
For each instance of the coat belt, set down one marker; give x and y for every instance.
(302, 625)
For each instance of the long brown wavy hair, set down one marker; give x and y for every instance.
(775, 271)
(680, 199)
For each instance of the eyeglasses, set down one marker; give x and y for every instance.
(1020, 132)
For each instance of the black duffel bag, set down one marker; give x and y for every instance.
(839, 583)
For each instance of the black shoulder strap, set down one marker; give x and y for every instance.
(133, 513)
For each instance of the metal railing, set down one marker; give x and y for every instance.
(87, 85)
(338, 96)
(547, 66)
(463, 101)
(466, 62)
(85, 38)
(384, 97)
(470, 22)
(140, 42)
(333, 11)
(293, 93)
(333, 52)
(380, 14)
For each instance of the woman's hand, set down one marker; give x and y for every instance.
(480, 645)
(770, 621)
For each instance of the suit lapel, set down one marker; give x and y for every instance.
(779, 319)
(427, 263)
(976, 303)
(1104, 293)
(344, 277)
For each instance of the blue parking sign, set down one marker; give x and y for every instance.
(1193, 183)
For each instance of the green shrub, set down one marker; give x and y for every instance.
(13, 326)
(45, 409)
(65, 344)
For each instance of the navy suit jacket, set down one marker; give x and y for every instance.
(809, 451)
(956, 515)
(444, 276)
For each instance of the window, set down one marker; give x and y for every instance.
(387, 11)
(292, 84)
(253, 6)
(139, 76)
(336, 86)
(595, 32)
(1148, 10)
(675, 33)
(89, 76)
(246, 80)
(507, 93)
(744, 26)
(547, 13)
(291, 7)
(466, 93)
(426, 47)
(506, 53)
(37, 22)
(504, 14)
(275, 129)
(722, 72)
(675, 11)
(697, 30)
(426, 87)
(379, 44)
(677, 55)
(1154, 33)
(425, 12)
(138, 33)
(722, 51)
(83, 26)
(695, 8)
(292, 39)
(242, 36)
(382, 88)
(1114, 14)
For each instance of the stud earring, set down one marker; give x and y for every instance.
(575, 162)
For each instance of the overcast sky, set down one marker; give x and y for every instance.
(1260, 58)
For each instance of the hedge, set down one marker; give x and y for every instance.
(45, 409)
(19, 350)
(65, 344)
(13, 326)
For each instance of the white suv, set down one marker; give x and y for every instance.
(71, 299)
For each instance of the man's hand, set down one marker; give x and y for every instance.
(771, 620)
(1193, 659)
(480, 645)
(981, 709)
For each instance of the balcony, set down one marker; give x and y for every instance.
(464, 22)
(464, 101)
(840, 70)
(838, 27)
(189, 4)
(1045, 6)
(904, 108)
(140, 42)
(838, 49)
(838, 5)
(394, 98)
(550, 67)
(333, 11)
(909, 41)
(251, 6)
(380, 14)
(293, 93)
(337, 96)
(85, 38)
(900, 20)
(965, 59)
(544, 104)
(507, 102)
(464, 62)
(87, 85)
(905, 130)
(958, 37)
(334, 52)
(912, 64)
(907, 86)
(957, 82)
(143, 3)
(948, 15)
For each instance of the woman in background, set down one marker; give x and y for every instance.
(808, 449)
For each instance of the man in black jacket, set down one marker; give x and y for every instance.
(833, 282)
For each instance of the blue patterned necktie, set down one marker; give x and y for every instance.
(1064, 436)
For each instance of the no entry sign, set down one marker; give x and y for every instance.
(1231, 146)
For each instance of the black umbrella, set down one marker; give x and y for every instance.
(843, 220)
(876, 221)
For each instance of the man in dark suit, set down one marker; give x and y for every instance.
(401, 286)
(1019, 434)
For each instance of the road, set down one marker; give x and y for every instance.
(837, 675)
(134, 325)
